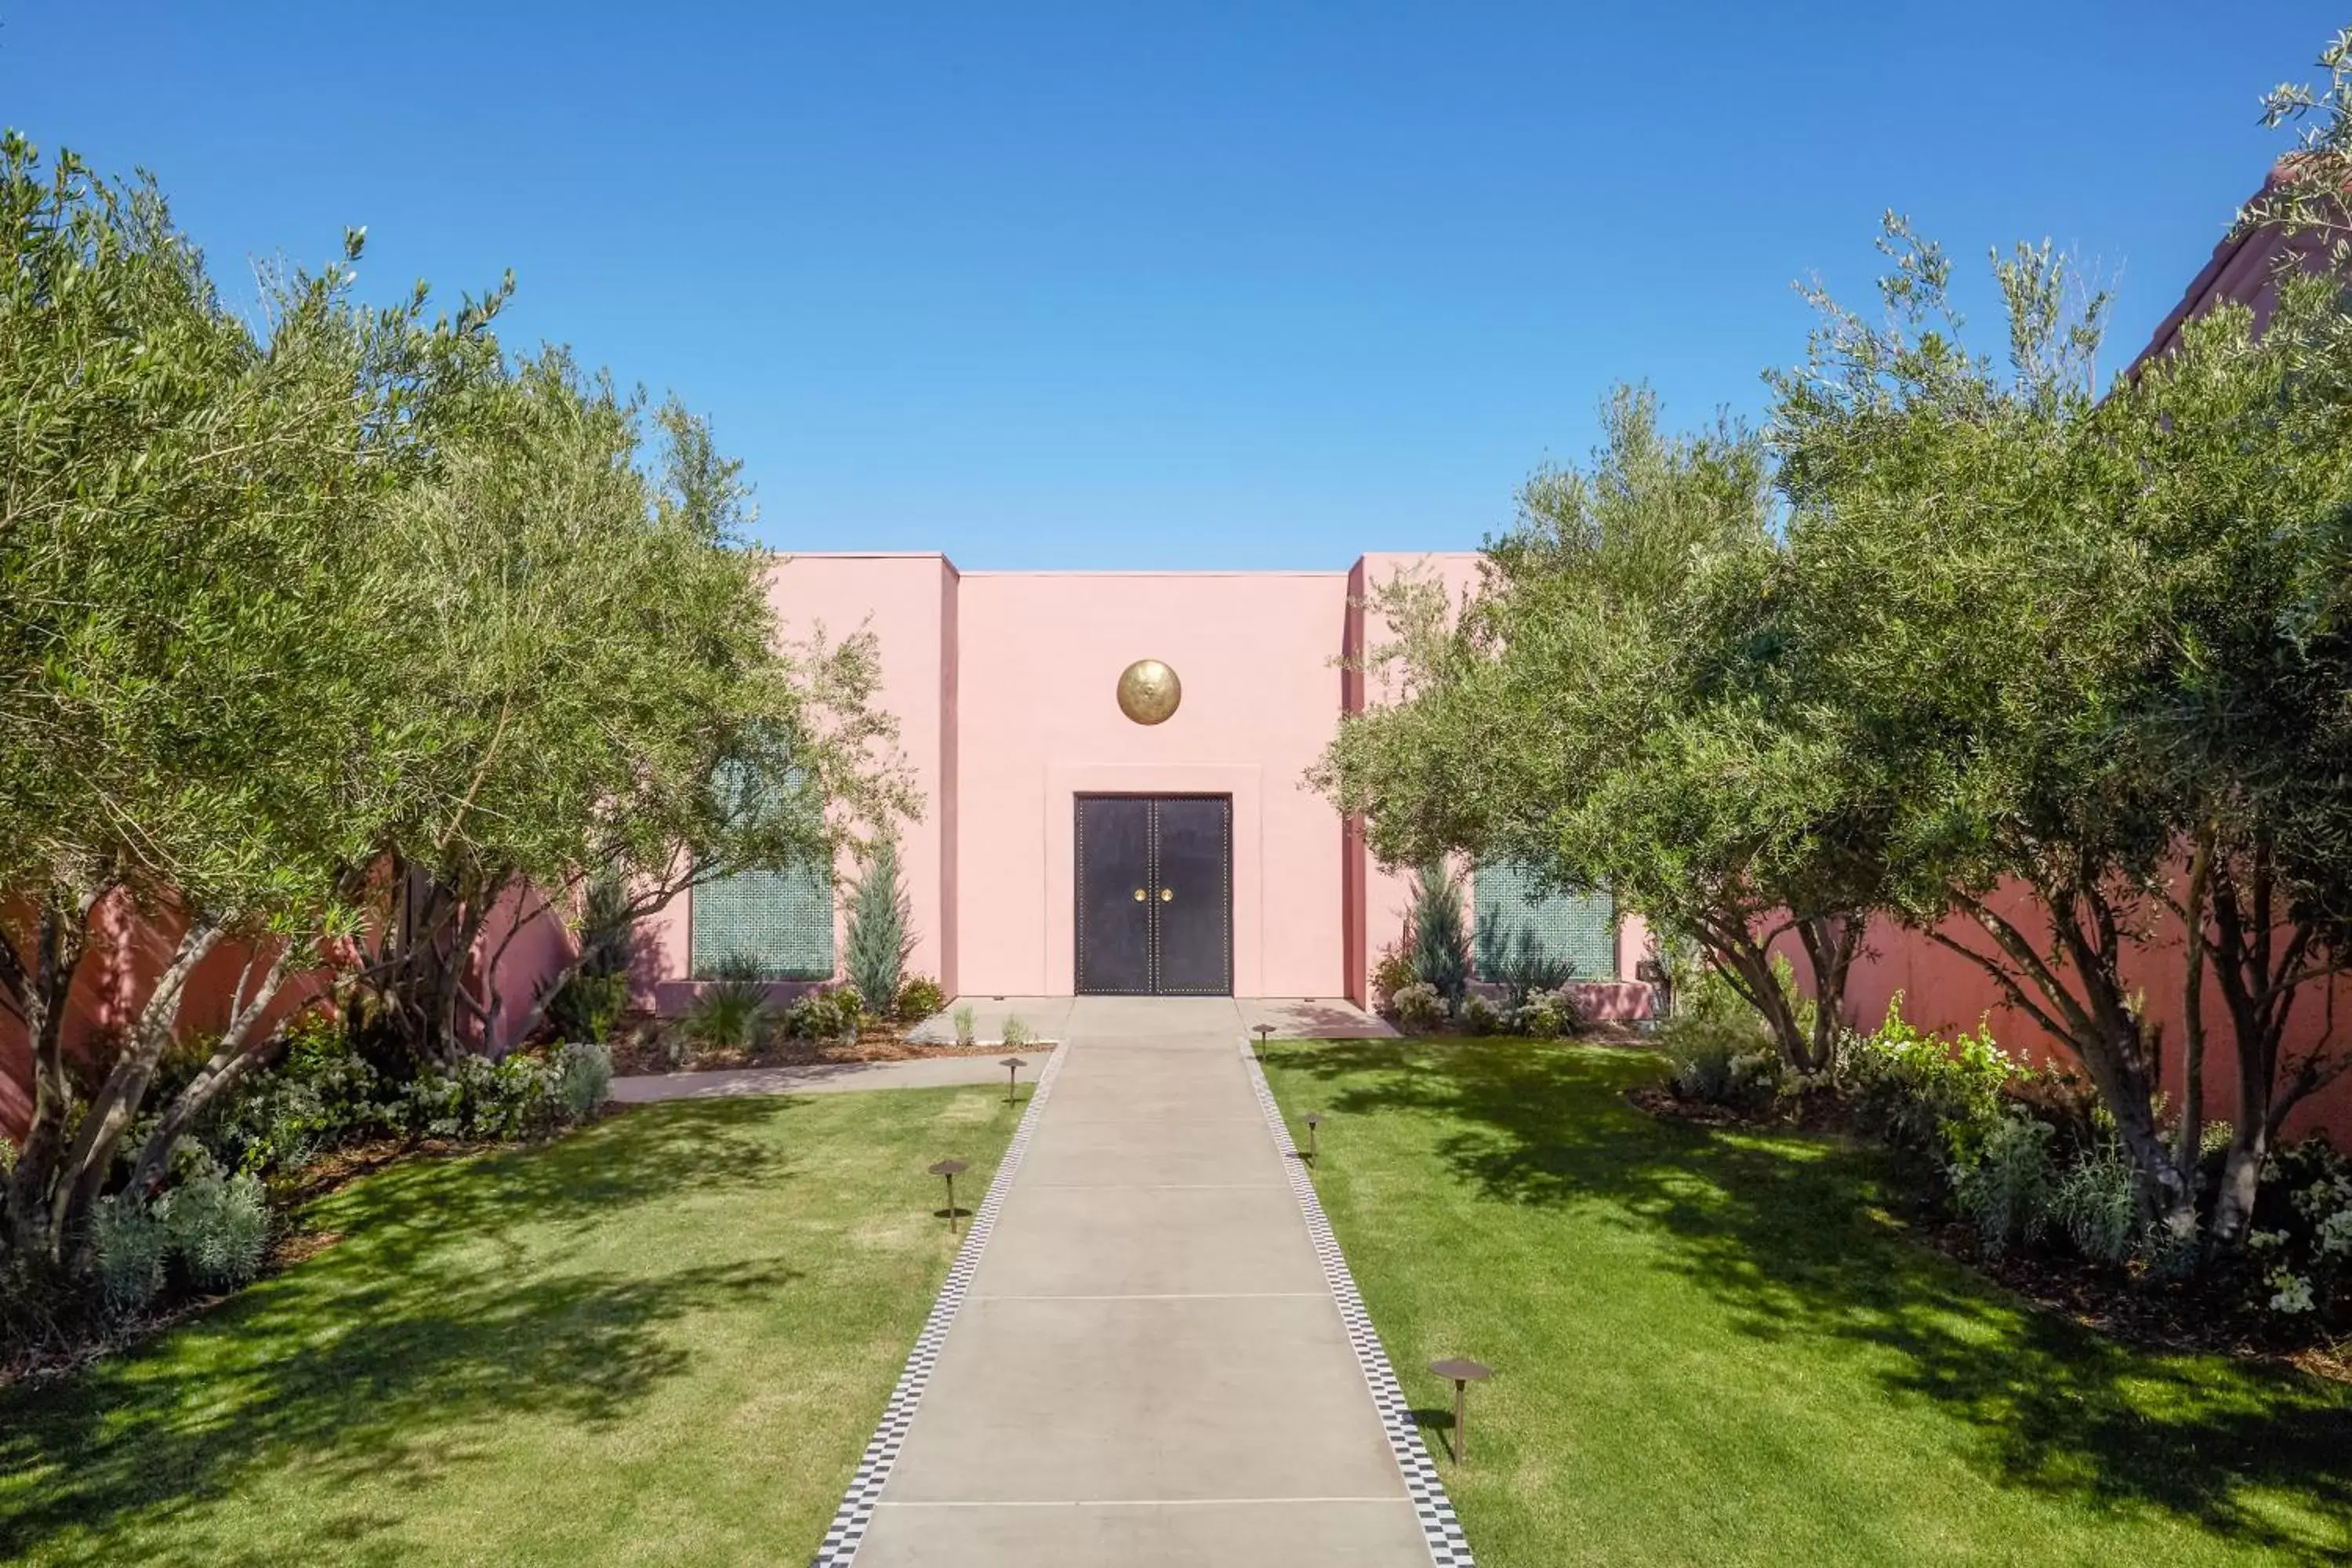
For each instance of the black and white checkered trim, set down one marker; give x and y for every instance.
(847, 1531)
(1448, 1548)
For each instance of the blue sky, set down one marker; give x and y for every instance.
(1110, 286)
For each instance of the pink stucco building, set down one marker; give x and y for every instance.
(1191, 853)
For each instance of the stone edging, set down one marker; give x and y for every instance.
(1448, 1548)
(847, 1531)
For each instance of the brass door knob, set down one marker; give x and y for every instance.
(1140, 895)
(1166, 894)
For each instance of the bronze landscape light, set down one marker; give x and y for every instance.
(1464, 1372)
(1011, 1066)
(951, 1169)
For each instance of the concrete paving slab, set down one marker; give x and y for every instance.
(824, 1077)
(1204, 1396)
(1190, 1154)
(1145, 1535)
(1148, 1241)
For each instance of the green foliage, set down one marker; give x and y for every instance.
(824, 1015)
(731, 1008)
(321, 1095)
(1722, 1062)
(1924, 1094)
(881, 925)
(1015, 1034)
(919, 996)
(1546, 1015)
(2097, 1203)
(588, 1003)
(219, 1228)
(129, 1244)
(588, 1006)
(2006, 1182)
(966, 1025)
(1517, 957)
(1480, 1016)
(1438, 945)
(1392, 974)
(582, 1077)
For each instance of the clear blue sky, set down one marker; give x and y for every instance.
(1114, 285)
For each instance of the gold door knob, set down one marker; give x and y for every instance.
(1140, 895)
(1167, 894)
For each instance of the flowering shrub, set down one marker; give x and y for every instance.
(1480, 1017)
(2303, 1254)
(1419, 1008)
(1546, 1015)
(919, 998)
(1722, 1061)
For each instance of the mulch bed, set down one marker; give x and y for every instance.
(643, 1046)
(2208, 1314)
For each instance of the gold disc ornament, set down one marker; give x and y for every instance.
(1148, 691)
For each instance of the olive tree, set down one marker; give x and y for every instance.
(2054, 620)
(1612, 709)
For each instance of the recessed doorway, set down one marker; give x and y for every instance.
(1155, 895)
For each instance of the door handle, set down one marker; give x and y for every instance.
(1167, 895)
(1140, 895)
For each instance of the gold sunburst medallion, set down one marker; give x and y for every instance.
(1148, 691)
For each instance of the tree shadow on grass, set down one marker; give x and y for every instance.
(386, 1356)
(1785, 1231)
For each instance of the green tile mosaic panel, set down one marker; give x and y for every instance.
(781, 921)
(1582, 927)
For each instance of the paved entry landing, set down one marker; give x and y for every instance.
(1150, 1367)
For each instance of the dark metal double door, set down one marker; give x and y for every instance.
(1155, 895)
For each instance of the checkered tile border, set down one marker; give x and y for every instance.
(847, 1530)
(1448, 1548)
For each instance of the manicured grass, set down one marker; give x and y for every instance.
(665, 1339)
(1717, 1348)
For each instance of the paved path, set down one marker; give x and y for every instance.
(823, 1078)
(1150, 1367)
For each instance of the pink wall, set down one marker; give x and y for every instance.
(1943, 990)
(1040, 657)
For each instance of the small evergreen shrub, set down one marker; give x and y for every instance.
(219, 1228)
(1728, 1063)
(1392, 974)
(1015, 1034)
(1419, 1007)
(583, 1077)
(2005, 1186)
(881, 925)
(1546, 1015)
(824, 1015)
(2097, 1203)
(588, 1006)
(1479, 1016)
(129, 1244)
(919, 996)
(966, 1025)
(1440, 946)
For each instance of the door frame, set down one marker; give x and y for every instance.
(1077, 883)
(1056, 822)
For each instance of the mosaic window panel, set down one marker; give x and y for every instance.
(1511, 910)
(781, 921)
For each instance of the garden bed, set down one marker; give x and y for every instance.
(2206, 1312)
(645, 1045)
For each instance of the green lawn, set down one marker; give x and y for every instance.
(1715, 1348)
(665, 1339)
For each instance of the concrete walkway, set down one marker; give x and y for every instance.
(824, 1077)
(1150, 1367)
